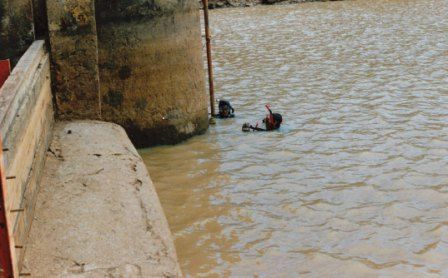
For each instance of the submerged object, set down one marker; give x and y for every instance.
(272, 121)
(246, 127)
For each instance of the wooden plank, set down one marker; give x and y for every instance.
(18, 126)
(40, 148)
(25, 218)
(21, 165)
(7, 252)
(14, 89)
(26, 119)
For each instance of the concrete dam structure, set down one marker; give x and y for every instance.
(151, 69)
(76, 198)
(76, 63)
(135, 63)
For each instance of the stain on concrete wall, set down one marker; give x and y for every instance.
(16, 28)
(74, 52)
(137, 63)
(151, 69)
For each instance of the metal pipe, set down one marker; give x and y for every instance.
(209, 58)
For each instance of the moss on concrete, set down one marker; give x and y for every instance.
(164, 132)
(137, 63)
(2, 21)
(16, 29)
(151, 69)
(74, 53)
(137, 10)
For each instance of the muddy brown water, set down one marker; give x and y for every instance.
(356, 181)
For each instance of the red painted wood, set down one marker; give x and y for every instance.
(5, 70)
(5, 246)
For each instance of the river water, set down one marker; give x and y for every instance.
(356, 181)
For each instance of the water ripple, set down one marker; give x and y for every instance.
(355, 182)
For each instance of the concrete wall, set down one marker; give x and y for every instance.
(26, 120)
(151, 69)
(74, 53)
(132, 62)
(16, 28)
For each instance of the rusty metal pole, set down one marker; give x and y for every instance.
(209, 58)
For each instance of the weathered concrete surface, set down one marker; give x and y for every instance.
(74, 53)
(98, 214)
(16, 28)
(136, 63)
(151, 69)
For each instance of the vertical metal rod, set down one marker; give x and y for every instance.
(209, 58)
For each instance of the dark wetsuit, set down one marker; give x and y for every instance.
(225, 110)
(272, 122)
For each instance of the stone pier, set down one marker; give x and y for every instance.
(135, 63)
(151, 69)
(74, 53)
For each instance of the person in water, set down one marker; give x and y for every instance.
(225, 109)
(272, 121)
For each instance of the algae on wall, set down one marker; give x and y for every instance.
(74, 54)
(137, 63)
(2, 23)
(151, 69)
(16, 28)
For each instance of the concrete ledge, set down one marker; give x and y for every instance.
(97, 212)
